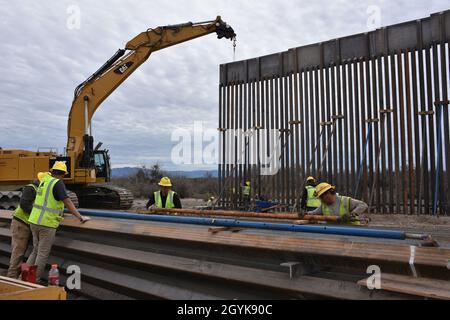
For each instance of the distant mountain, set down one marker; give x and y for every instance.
(128, 171)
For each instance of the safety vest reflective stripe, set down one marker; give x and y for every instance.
(51, 210)
(169, 200)
(344, 207)
(311, 200)
(44, 207)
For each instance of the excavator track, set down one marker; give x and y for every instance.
(9, 200)
(104, 196)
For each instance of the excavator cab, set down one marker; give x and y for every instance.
(102, 165)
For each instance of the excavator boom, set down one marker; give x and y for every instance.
(92, 92)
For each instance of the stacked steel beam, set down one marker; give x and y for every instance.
(122, 258)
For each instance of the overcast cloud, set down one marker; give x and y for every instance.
(43, 61)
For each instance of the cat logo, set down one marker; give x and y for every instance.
(122, 68)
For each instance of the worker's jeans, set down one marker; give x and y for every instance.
(43, 239)
(20, 235)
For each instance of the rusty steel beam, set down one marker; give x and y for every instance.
(241, 214)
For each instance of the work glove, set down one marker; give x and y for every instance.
(84, 219)
(349, 217)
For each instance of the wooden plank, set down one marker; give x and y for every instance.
(17, 282)
(423, 287)
(13, 289)
(46, 293)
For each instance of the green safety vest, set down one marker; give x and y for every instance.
(246, 191)
(169, 200)
(311, 200)
(344, 208)
(47, 211)
(19, 213)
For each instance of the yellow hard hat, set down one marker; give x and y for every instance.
(60, 165)
(322, 188)
(165, 182)
(41, 175)
(310, 178)
(247, 183)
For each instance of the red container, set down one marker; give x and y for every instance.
(28, 273)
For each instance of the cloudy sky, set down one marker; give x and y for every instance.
(43, 60)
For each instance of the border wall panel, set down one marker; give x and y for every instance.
(367, 112)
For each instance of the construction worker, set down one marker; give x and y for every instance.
(333, 204)
(246, 193)
(47, 213)
(20, 228)
(210, 202)
(165, 197)
(309, 200)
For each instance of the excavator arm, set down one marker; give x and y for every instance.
(91, 93)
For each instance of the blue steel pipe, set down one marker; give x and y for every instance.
(325, 229)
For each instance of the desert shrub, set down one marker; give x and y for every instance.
(145, 181)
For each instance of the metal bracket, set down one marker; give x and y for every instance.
(284, 130)
(337, 117)
(294, 122)
(386, 111)
(326, 123)
(442, 103)
(372, 120)
(426, 113)
(222, 129)
(259, 127)
(293, 267)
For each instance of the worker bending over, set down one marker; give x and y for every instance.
(165, 197)
(246, 194)
(309, 200)
(20, 228)
(333, 204)
(47, 213)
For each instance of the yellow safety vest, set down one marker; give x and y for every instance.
(311, 200)
(169, 200)
(47, 211)
(344, 208)
(246, 191)
(19, 213)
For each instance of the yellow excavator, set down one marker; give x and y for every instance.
(89, 166)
